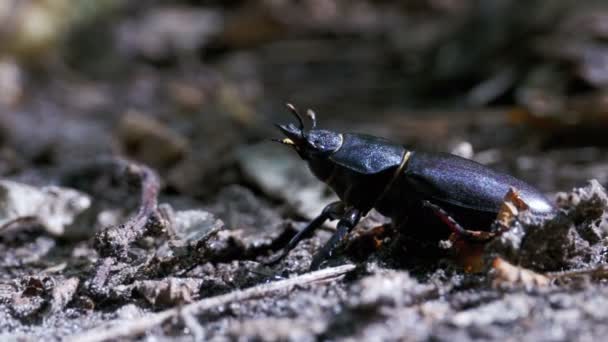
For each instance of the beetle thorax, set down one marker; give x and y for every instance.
(322, 168)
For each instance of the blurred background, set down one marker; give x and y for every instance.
(192, 87)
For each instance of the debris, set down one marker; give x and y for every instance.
(25, 307)
(99, 285)
(585, 204)
(596, 273)
(115, 240)
(115, 243)
(117, 329)
(193, 237)
(30, 253)
(507, 275)
(190, 226)
(510, 208)
(63, 293)
(250, 219)
(53, 207)
(169, 292)
(33, 299)
(570, 240)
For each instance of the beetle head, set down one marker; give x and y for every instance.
(309, 143)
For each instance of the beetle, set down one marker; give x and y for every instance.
(424, 194)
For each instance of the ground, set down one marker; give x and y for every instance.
(140, 192)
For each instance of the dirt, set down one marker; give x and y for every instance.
(140, 195)
(71, 293)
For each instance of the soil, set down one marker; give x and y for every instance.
(140, 194)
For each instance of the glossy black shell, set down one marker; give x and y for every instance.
(365, 173)
(469, 192)
(366, 154)
(464, 183)
(370, 172)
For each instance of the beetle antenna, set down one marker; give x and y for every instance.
(313, 117)
(295, 112)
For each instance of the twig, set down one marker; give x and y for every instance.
(115, 240)
(120, 328)
(598, 272)
(18, 222)
(197, 331)
(98, 283)
(509, 274)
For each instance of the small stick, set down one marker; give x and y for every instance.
(197, 331)
(598, 272)
(98, 285)
(18, 222)
(119, 328)
(115, 240)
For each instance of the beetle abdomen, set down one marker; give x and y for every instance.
(464, 183)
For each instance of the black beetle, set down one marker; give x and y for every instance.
(435, 191)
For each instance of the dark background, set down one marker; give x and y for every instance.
(182, 84)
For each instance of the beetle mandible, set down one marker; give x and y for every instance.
(435, 189)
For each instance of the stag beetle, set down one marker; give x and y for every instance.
(437, 190)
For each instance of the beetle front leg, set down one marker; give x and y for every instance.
(332, 211)
(346, 224)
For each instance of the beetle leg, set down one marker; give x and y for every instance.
(454, 226)
(346, 224)
(331, 212)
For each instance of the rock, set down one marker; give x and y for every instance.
(161, 33)
(281, 174)
(63, 293)
(194, 224)
(150, 141)
(54, 207)
(169, 291)
(190, 227)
